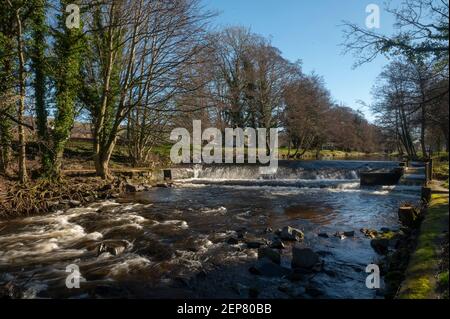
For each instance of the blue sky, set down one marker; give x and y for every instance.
(310, 30)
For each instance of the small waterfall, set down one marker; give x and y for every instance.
(197, 169)
(263, 173)
(287, 171)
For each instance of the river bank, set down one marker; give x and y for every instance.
(426, 276)
(43, 196)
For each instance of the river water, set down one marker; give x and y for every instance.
(175, 239)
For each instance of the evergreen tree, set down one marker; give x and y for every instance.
(38, 44)
(68, 49)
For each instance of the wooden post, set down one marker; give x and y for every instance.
(430, 169)
(407, 215)
(167, 175)
(426, 194)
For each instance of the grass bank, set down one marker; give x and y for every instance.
(427, 272)
(440, 169)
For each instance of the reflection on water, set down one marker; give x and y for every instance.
(172, 243)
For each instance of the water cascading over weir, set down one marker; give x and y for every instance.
(310, 174)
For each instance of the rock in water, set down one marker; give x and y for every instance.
(130, 188)
(277, 244)
(369, 233)
(291, 234)
(267, 268)
(380, 245)
(408, 215)
(255, 243)
(271, 254)
(114, 247)
(349, 233)
(340, 235)
(304, 258)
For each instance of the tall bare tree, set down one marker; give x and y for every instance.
(138, 49)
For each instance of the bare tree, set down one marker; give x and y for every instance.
(18, 8)
(138, 49)
(422, 29)
(307, 103)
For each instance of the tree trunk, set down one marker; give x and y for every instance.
(101, 167)
(5, 147)
(38, 59)
(422, 132)
(101, 161)
(23, 176)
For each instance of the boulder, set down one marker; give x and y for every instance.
(340, 235)
(369, 233)
(265, 267)
(408, 215)
(114, 247)
(380, 245)
(271, 254)
(277, 244)
(291, 234)
(349, 233)
(130, 188)
(254, 243)
(304, 258)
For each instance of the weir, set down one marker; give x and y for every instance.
(287, 170)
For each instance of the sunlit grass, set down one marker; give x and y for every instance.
(420, 280)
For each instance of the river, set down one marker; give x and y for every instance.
(175, 239)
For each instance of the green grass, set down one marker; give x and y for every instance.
(164, 151)
(329, 154)
(443, 279)
(420, 282)
(440, 168)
